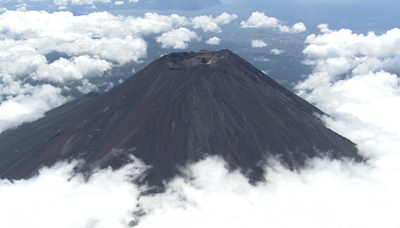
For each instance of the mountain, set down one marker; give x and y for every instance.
(176, 110)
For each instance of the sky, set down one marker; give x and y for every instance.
(54, 51)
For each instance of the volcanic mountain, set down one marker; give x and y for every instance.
(178, 109)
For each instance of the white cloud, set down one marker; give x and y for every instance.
(87, 87)
(155, 23)
(258, 44)
(133, 0)
(298, 27)
(115, 49)
(28, 102)
(60, 2)
(177, 38)
(276, 51)
(93, 34)
(13, 86)
(210, 24)
(110, 85)
(366, 61)
(261, 59)
(63, 70)
(106, 199)
(87, 2)
(21, 7)
(19, 58)
(213, 41)
(260, 20)
(119, 2)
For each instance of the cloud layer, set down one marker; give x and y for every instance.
(210, 24)
(177, 38)
(213, 41)
(276, 51)
(258, 44)
(260, 20)
(23, 103)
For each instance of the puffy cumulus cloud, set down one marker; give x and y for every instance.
(115, 49)
(63, 70)
(24, 103)
(258, 44)
(296, 28)
(21, 7)
(338, 54)
(352, 80)
(92, 34)
(155, 23)
(276, 51)
(210, 24)
(260, 20)
(119, 3)
(261, 59)
(213, 41)
(364, 105)
(60, 2)
(33, 34)
(110, 85)
(19, 58)
(177, 38)
(87, 87)
(12, 86)
(133, 0)
(299, 27)
(343, 51)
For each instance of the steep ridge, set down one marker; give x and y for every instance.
(176, 110)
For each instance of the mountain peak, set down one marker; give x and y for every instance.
(180, 108)
(181, 60)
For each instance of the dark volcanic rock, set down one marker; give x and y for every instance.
(179, 108)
